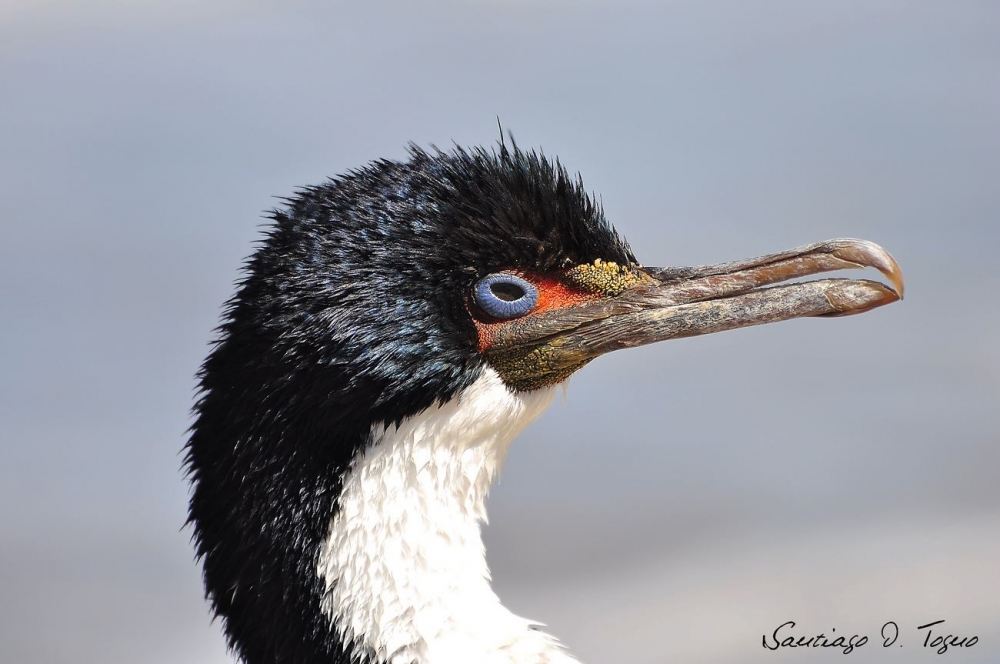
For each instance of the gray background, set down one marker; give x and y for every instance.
(685, 498)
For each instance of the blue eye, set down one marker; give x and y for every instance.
(505, 296)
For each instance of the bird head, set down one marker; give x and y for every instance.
(374, 301)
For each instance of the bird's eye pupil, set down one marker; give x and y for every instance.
(507, 292)
(505, 296)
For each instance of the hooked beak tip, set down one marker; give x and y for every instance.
(868, 254)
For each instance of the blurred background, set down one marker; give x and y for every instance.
(684, 499)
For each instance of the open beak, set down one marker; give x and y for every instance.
(672, 303)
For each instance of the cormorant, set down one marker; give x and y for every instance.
(393, 332)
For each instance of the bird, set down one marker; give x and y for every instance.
(394, 329)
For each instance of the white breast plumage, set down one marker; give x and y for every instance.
(404, 563)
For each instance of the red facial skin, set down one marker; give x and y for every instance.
(553, 293)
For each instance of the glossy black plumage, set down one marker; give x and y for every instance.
(352, 312)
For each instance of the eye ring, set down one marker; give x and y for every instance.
(505, 296)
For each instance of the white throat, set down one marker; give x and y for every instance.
(404, 563)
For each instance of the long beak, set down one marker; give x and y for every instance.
(672, 303)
